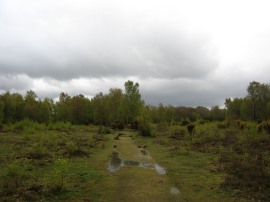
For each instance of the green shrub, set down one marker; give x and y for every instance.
(48, 139)
(55, 182)
(185, 122)
(72, 149)
(264, 126)
(103, 130)
(28, 126)
(223, 125)
(14, 179)
(135, 125)
(61, 126)
(162, 127)
(91, 142)
(38, 152)
(247, 173)
(145, 130)
(245, 159)
(118, 125)
(21, 126)
(241, 124)
(177, 132)
(208, 137)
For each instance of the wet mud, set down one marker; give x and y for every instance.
(116, 163)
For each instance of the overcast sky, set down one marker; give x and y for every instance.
(181, 52)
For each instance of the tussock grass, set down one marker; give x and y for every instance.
(41, 162)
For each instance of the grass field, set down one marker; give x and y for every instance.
(70, 163)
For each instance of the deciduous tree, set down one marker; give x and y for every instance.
(132, 101)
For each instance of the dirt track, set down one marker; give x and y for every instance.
(136, 175)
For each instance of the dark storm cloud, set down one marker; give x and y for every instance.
(159, 57)
(79, 44)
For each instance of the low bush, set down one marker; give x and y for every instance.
(162, 127)
(145, 129)
(246, 161)
(28, 126)
(61, 126)
(103, 130)
(72, 149)
(14, 180)
(135, 125)
(178, 133)
(55, 182)
(241, 124)
(223, 125)
(38, 152)
(264, 126)
(247, 173)
(185, 122)
(118, 125)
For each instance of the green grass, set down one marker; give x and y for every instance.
(69, 163)
(35, 151)
(195, 174)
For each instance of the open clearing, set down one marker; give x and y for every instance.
(187, 178)
(141, 179)
(120, 166)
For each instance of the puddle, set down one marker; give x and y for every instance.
(116, 163)
(174, 191)
(160, 170)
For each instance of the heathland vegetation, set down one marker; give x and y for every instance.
(58, 150)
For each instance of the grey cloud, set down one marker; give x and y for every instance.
(162, 58)
(191, 92)
(15, 82)
(89, 46)
(173, 54)
(102, 45)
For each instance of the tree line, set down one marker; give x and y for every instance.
(255, 106)
(105, 109)
(127, 107)
(117, 106)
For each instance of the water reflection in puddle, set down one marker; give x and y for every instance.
(160, 170)
(116, 163)
(174, 191)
